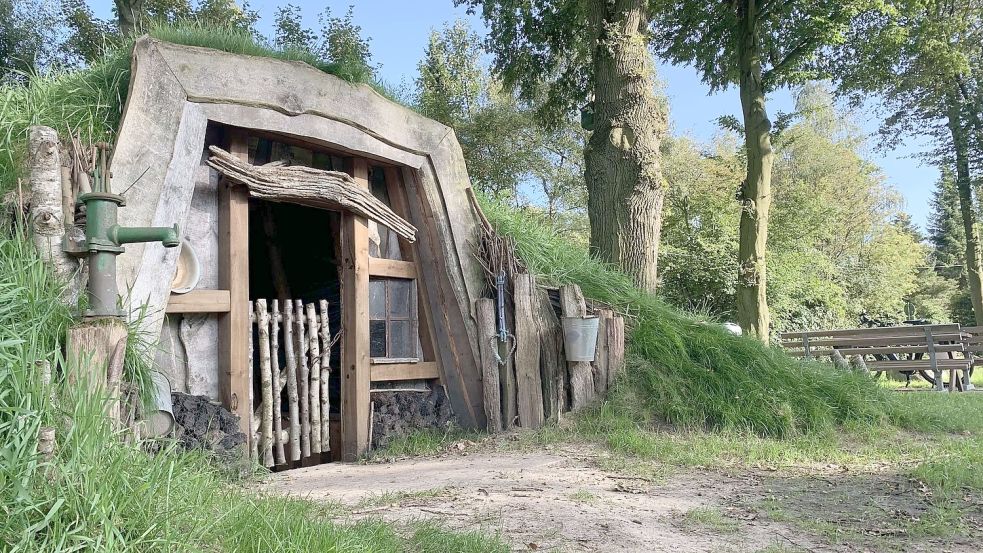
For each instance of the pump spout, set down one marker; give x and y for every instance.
(129, 235)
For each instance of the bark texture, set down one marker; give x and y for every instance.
(310, 187)
(964, 187)
(47, 213)
(755, 193)
(625, 189)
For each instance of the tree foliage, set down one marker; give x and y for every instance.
(510, 153)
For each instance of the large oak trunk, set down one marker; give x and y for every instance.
(624, 177)
(960, 143)
(755, 194)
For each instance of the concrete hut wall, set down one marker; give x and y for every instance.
(175, 91)
(188, 352)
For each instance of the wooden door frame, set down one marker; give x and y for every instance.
(357, 371)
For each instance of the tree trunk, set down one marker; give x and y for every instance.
(755, 194)
(964, 187)
(622, 162)
(129, 16)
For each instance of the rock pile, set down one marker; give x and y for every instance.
(399, 412)
(200, 423)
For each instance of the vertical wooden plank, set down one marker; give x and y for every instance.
(355, 349)
(552, 364)
(485, 310)
(275, 318)
(292, 394)
(581, 376)
(252, 357)
(529, 385)
(266, 384)
(314, 350)
(459, 370)
(600, 365)
(325, 332)
(616, 348)
(235, 371)
(303, 377)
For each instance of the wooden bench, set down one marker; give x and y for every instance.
(908, 349)
(973, 340)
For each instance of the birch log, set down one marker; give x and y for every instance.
(252, 431)
(266, 383)
(309, 186)
(291, 359)
(315, 371)
(325, 376)
(47, 215)
(277, 384)
(303, 378)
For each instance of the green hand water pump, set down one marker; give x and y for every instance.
(104, 239)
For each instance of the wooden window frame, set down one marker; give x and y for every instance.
(412, 316)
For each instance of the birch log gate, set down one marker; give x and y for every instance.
(310, 187)
(307, 346)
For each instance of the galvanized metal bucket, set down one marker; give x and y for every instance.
(580, 338)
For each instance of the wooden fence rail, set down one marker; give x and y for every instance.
(303, 382)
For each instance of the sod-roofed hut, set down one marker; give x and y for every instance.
(374, 282)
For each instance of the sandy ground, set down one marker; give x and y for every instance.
(561, 501)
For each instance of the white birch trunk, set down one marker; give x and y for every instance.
(315, 389)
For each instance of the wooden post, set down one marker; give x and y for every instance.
(303, 377)
(488, 343)
(601, 360)
(616, 348)
(529, 385)
(92, 346)
(292, 394)
(275, 317)
(581, 377)
(266, 384)
(235, 371)
(355, 349)
(325, 376)
(314, 350)
(552, 364)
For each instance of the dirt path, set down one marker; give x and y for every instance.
(561, 501)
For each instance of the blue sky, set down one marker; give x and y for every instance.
(399, 31)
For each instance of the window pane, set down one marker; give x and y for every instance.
(402, 343)
(377, 299)
(399, 298)
(377, 338)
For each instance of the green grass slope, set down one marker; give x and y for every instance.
(691, 374)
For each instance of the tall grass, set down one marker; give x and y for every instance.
(689, 373)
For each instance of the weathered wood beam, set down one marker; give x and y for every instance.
(235, 369)
(355, 340)
(311, 187)
(200, 301)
